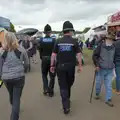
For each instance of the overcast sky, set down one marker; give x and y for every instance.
(37, 13)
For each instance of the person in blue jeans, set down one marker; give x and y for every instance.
(103, 58)
(117, 65)
(117, 70)
(12, 71)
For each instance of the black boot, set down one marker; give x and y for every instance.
(45, 92)
(109, 103)
(97, 97)
(51, 92)
(66, 111)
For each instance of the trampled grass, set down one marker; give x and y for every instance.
(88, 56)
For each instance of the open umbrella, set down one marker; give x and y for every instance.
(4, 23)
(28, 31)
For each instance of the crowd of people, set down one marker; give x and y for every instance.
(30, 45)
(58, 57)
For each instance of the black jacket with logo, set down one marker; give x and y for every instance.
(46, 46)
(66, 49)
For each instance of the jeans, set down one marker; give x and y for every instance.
(104, 75)
(15, 88)
(117, 70)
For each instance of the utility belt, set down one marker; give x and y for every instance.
(65, 66)
(46, 57)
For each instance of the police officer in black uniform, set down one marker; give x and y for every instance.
(66, 49)
(45, 48)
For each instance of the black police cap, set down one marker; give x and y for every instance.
(68, 26)
(47, 28)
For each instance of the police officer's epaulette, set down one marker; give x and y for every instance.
(54, 38)
(75, 39)
(59, 39)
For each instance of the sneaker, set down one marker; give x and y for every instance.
(66, 111)
(45, 92)
(97, 97)
(109, 103)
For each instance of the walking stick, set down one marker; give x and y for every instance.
(93, 87)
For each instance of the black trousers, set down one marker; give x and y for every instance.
(15, 88)
(66, 77)
(47, 85)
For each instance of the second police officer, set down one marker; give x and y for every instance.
(45, 49)
(66, 49)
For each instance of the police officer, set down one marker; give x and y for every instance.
(45, 48)
(66, 49)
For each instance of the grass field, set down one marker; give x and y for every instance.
(114, 84)
(88, 56)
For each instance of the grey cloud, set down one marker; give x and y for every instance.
(33, 1)
(100, 0)
(27, 12)
(82, 11)
(52, 1)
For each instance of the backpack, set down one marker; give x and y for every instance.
(17, 53)
(4, 55)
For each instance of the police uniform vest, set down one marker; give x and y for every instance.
(46, 46)
(66, 49)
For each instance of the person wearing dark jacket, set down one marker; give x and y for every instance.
(27, 45)
(45, 48)
(87, 43)
(117, 65)
(12, 71)
(103, 58)
(118, 32)
(34, 49)
(65, 51)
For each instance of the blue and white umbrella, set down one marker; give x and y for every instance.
(4, 23)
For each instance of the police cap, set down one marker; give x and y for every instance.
(68, 26)
(47, 29)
